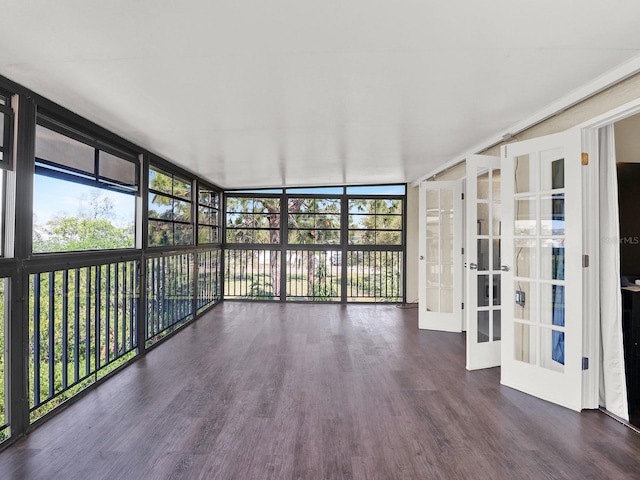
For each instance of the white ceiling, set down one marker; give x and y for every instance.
(255, 93)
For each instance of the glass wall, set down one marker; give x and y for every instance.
(73, 211)
(341, 244)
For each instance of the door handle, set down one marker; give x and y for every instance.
(473, 266)
(505, 268)
(421, 257)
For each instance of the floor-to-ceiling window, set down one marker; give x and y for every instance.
(334, 244)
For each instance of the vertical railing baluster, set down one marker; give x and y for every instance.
(163, 291)
(36, 340)
(180, 289)
(97, 304)
(149, 283)
(51, 334)
(76, 326)
(152, 300)
(171, 291)
(190, 279)
(133, 275)
(87, 323)
(116, 311)
(127, 298)
(65, 328)
(107, 306)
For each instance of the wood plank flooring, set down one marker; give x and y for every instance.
(270, 391)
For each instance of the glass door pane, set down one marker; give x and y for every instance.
(440, 289)
(484, 228)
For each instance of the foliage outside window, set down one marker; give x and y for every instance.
(170, 220)
(84, 196)
(314, 221)
(375, 221)
(208, 211)
(253, 220)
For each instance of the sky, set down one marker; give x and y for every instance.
(57, 197)
(53, 197)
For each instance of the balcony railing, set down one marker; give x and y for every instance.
(374, 276)
(315, 274)
(209, 289)
(252, 274)
(83, 324)
(170, 294)
(84, 321)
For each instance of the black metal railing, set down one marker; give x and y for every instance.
(252, 273)
(82, 325)
(209, 288)
(84, 321)
(374, 276)
(170, 294)
(313, 275)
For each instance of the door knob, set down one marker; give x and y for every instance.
(421, 257)
(473, 266)
(505, 268)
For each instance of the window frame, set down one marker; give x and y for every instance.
(331, 197)
(51, 169)
(6, 163)
(55, 170)
(160, 168)
(253, 196)
(375, 215)
(215, 227)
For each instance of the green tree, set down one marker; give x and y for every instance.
(257, 220)
(92, 228)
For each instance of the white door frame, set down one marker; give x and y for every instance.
(591, 239)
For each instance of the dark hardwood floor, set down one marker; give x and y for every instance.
(259, 391)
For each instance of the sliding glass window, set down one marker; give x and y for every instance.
(84, 191)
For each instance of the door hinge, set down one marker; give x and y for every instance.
(585, 363)
(585, 159)
(462, 249)
(462, 305)
(585, 261)
(462, 196)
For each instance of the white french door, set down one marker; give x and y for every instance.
(542, 249)
(440, 250)
(483, 261)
